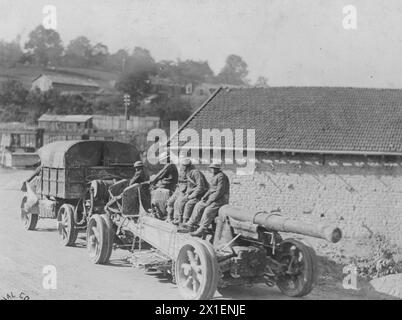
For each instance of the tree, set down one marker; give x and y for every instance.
(136, 84)
(45, 46)
(234, 72)
(167, 69)
(38, 103)
(262, 82)
(10, 53)
(78, 52)
(118, 60)
(13, 92)
(198, 71)
(141, 61)
(99, 55)
(11, 113)
(175, 109)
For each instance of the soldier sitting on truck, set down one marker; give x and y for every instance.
(172, 206)
(140, 175)
(197, 186)
(167, 178)
(163, 185)
(207, 209)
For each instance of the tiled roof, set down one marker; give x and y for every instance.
(309, 119)
(65, 118)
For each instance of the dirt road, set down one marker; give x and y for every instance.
(24, 254)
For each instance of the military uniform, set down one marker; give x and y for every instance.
(167, 178)
(217, 196)
(140, 176)
(197, 186)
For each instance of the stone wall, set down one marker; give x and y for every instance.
(359, 194)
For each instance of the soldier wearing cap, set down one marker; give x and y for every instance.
(207, 209)
(140, 175)
(197, 186)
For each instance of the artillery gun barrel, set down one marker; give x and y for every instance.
(280, 223)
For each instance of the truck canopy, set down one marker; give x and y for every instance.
(87, 153)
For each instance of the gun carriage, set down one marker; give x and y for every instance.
(69, 175)
(84, 185)
(243, 247)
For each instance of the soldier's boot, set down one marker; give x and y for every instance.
(200, 232)
(186, 228)
(176, 222)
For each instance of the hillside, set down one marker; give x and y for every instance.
(26, 74)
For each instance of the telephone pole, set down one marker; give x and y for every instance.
(127, 102)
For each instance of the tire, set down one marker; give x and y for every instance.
(97, 239)
(66, 226)
(215, 267)
(316, 270)
(301, 283)
(28, 219)
(109, 236)
(194, 258)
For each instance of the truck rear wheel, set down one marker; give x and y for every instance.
(299, 273)
(110, 236)
(98, 243)
(65, 225)
(195, 271)
(28, 219)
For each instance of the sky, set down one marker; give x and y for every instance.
(290, 42)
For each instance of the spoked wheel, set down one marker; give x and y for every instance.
(28, 219)
(98, 244)
(298, 275)
(65, 225)
(196, 271)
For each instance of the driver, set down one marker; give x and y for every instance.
(140, 175)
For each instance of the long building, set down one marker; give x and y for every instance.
(322, 154)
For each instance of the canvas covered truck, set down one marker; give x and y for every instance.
(242, 247)
(61, 188)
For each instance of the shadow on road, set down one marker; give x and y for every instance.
(46, 229)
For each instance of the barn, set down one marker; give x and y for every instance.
(321, 154)
(65, 84)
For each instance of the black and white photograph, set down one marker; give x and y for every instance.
(220, 150)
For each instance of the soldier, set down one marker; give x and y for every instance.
(207, 209)
(140, 175)
(167, 178)
(197, 185)
(173, 204)
(163, 184)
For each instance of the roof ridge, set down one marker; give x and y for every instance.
(309, 87)
(195, 113)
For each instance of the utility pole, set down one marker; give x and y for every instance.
(127, 102)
